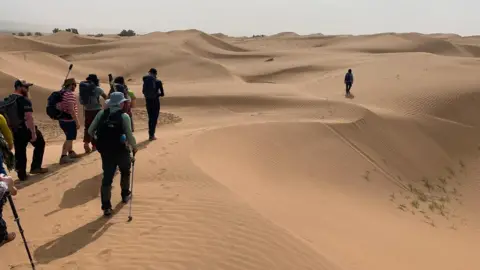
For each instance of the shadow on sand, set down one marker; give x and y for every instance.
(74, 241)
(86, 190)
(52, 170)
(82, 193)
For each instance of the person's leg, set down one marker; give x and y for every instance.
(155, 114)
(20, 142)
(38, 152)
(72, 137)
(3, 228)
(109, 167)
(87, 139)
(150, 112)
(124, 164)
(66, 127)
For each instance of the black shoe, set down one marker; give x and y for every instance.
(107, 212)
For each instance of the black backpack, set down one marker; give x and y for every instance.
(9, 109)
(109, 132)
(52, 110)
(87, 92)
(150, 87)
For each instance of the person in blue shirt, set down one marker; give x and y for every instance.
(348, 81)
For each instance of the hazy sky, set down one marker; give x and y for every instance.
(247, 17)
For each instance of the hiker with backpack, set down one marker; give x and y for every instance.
(90, 93)
(7, 187)
(348, 81)
(112, 131)
(69, 122)
(152, 90)
(6, 142)
(129, 95)
(18, 111)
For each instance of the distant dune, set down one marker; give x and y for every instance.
(262, 162)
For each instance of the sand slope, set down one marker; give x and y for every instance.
(261, 162)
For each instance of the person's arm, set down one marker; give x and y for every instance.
(28, 109)
(7, 133)
(94, 124)
(6, 184)
(127, 128)
(160, 88)
(102, 93)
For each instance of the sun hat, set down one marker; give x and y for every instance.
(69, 82)
(116, 98)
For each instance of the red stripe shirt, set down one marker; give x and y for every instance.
(68, 103)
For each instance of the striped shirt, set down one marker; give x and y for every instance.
(68, 104)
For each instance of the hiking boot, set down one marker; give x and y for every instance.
(65, 159)
(87, 148)
(72, 154)
(39, 171)
(107, 212)
(152, 138)
(10, 237)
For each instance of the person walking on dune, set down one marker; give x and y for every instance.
(19, 110)
(90, 93)
(112, 131)
(129, 95)
(69, 124)
(348, 82)
(152, 90)
(6, 188)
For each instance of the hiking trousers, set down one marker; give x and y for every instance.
(21, 138)
(89, 116)
(348, 86)
(153, 110)
(3, 225)
(110, 162)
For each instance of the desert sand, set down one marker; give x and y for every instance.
(262, 162)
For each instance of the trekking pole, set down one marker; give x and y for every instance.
(68, 73)
(17, 219)
(131, 190)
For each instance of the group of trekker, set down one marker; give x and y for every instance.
(108, 129)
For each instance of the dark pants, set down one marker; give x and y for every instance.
(3, 225)
(89, 116)
(110, 162)
(21, 138)
(348, 86)
(153, 110)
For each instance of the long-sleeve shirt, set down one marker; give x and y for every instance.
(6, 132)
(127, 125)
(68, 104)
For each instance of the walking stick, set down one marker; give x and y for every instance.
(17, 219)
(131, 189)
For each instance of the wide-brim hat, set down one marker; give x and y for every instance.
(69, 82)
(116, 98)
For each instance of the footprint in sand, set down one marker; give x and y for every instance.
(56, 228)
(105, 254)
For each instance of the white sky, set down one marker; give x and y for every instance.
(248, 17)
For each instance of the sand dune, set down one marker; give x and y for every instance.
(72, 39)
(262, 162)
